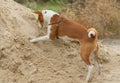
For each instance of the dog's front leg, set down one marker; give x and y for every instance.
(46, 37)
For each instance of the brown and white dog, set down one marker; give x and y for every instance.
(61, 27)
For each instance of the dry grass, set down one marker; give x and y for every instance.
(101, 14)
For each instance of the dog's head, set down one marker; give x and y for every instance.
(44, 17)
(40, 19)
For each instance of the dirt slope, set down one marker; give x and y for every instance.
(46, 61)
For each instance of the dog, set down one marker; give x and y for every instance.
(60, 27)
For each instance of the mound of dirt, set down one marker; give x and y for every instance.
(43, 62)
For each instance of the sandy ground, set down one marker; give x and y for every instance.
(46, 61)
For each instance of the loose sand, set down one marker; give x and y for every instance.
(46, 61)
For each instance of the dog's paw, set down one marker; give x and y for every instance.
(32, 40)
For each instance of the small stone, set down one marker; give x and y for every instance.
(17, 46)
(2, 47)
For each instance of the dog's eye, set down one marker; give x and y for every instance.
(45, 12)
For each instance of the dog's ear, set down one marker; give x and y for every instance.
(37, 12)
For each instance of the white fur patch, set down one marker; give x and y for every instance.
(65, 38)
(91, 32)
(46, 37)
(90, 68)
(47, 15)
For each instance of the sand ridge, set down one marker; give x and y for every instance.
(46, 61)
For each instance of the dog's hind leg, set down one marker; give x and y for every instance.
(96, 60)
(90, 68)
(87, 61)
(85, 53)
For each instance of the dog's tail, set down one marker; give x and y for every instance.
(92, 33)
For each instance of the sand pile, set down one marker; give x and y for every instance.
(43, 62)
